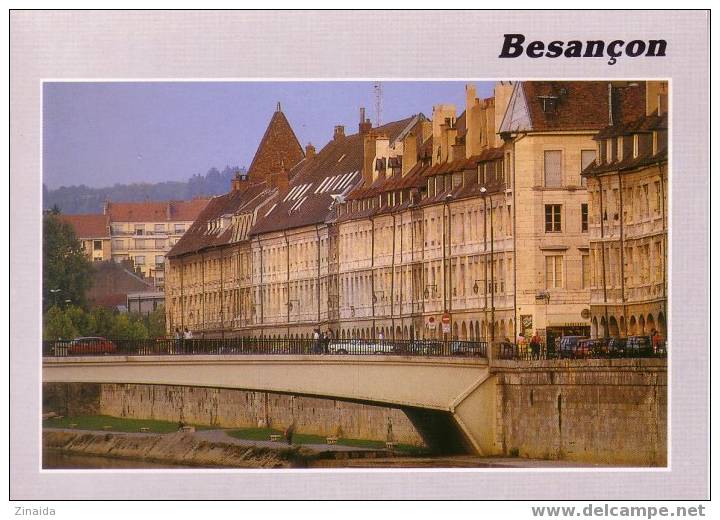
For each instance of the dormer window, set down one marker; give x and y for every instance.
(548, 104)
(636, 145)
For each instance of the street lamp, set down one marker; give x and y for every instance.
(476, 287)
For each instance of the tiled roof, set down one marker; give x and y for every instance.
(335, 170)
(88, 226)
(570, 105)
(246, 199)
(153, 211)
(636, 126)
(641, 125)
(416, 178)
(279, 145)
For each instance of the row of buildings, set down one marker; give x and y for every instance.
(541, 208)
(138, 234)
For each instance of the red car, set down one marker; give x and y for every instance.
(91, 345)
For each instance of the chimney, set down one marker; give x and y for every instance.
(235, 183)
(410, 152)
(441, 114)
(365, 125)
(309, 151)
(656, 97)
(279, 178)
(382, 151)
(503, 92)
(339, 132)
(368, 158)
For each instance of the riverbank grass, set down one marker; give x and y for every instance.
(116, 424)
(263, 434)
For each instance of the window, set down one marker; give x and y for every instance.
(585, 259)
(159, 259)
(553, 168)
(658, 197)
(97, 245)
(139, 260)
(159, 244)
(553, 272)
(118, 244)
(139, 229)
(584, 218)
(552, 218)
(646, 201)
(586, 159)
(159, 228)
(179, 228)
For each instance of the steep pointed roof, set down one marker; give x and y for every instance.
(278, 145)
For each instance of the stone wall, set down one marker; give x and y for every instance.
(602, 410)
(228, 408)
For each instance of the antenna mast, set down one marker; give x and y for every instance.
(378, 103)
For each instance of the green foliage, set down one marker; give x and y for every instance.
(155, 323)
(58, 325)
(66, 269)
(71, 322)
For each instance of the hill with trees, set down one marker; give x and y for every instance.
(83, 199)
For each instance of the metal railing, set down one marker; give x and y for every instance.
(595, 350)
(263, 346)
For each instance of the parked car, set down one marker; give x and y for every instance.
(355, 346)
(568, 346)
(91, 345)
(468, 348)
(638, 345)
(419, 348)
(590, 347)
(616, 347)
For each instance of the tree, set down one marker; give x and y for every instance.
(155, 323)
(66, 269)
(58, 325)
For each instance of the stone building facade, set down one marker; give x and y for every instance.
(628, 221)
(93, 232)
(481, 217)
(143, 232)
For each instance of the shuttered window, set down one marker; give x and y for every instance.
(553, 272)
(553, 168)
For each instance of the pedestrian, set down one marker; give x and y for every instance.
(535, 346)
(656, 340)
(317, 348)
(187, 340)
(522, 345)
(289, 432)
(381, 336)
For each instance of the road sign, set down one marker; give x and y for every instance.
(431, 323)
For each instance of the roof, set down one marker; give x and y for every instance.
(249, 196)
(542, 106)
(154, 211)
(316, 182)
(643, 124)
(88, 225)
(278, 146)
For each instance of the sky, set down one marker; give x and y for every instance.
(100, 134)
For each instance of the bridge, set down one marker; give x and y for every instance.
(450, 399)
